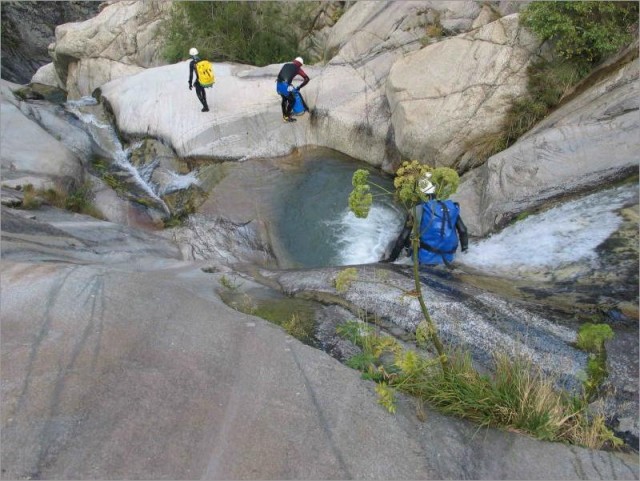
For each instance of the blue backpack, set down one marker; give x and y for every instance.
(298, 106)
(438, 236)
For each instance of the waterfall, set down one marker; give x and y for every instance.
(562, 235)
(362, 241)
(179, 182)
(105, 137)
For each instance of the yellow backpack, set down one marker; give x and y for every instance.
(204, 70)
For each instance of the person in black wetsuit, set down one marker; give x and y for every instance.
(200, 92)
(283, 86)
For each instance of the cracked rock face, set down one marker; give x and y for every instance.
(444, 95)
(28, 29)
(122, 40)
(587, 142)
(31, 155)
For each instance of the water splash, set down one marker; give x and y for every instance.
(563, 235)
(81, 102)
(180, 182)
(362, 241)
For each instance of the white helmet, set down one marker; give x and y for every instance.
(425, 185)
(193, 51)
(299, 59)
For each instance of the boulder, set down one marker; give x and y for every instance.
(245, 119)
(444, 95)
(352, 113)
(589, 141)
(28, 153)
(126, 32)
(86, 75)
(369, 28)
(47, 75)
(349, 110)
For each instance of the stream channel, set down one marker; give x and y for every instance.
(577, 256)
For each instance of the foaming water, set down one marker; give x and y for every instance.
(361, 241)
(82, 102)
(104, 135)
(562, 235)
(179, 182)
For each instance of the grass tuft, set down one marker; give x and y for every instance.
(517, 396)
(227, 283)
(30, 199)
(77, 199)
(301, 327)
(345, 278)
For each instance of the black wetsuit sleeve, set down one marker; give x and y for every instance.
(191, 68)
(462, 234)
(305, 78)
(402, 241)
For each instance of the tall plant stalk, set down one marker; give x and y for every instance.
(410, 195)
(433, 330)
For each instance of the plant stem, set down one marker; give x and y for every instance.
(433, 330)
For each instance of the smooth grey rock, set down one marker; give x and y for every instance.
(47, 75)
(29, 154)
(620, 391)
(49, 235)
(57, 123)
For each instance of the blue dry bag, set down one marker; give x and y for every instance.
(298, 106)
(438, 236)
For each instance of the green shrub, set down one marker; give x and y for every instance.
(583, 33)
(583, 30)
(591, 337)
(362, 361)
(596, 374)
(80, 199)
(256, 33)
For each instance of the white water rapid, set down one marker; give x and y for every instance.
(362, 241)
(560, 236)
(104, 135)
